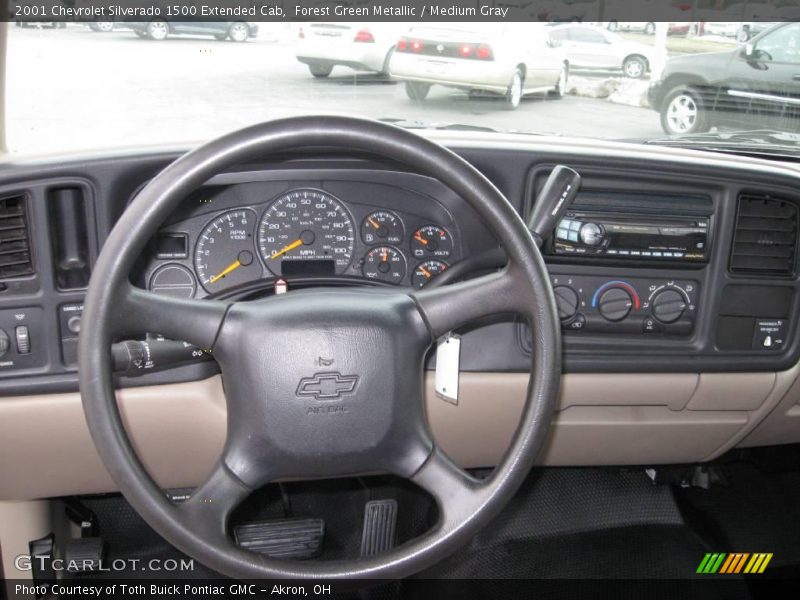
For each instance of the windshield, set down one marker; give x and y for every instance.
(74, 85)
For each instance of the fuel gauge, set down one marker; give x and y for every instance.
(382, 227)
(426, 271)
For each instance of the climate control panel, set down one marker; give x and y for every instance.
(626, 305)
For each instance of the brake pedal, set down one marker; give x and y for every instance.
(380, 521)
(282, 538)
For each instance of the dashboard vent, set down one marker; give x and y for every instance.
(15, 251)
(765, 238)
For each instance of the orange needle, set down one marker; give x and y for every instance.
(419, 238)
(385, 255)
(426, 272)
(373, 223)
(229, 269)
(286, 249)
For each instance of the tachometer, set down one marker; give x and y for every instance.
(224, 252)
(306, 225)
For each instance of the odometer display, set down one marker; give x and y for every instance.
(306, 225)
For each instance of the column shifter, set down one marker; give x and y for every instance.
(551, 204)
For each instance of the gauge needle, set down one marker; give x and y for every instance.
(385, 255)
(287, 248)
(373, 223)
(421, 240)
(230, 268)
(425, 272)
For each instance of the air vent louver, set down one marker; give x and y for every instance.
(15, 250)
(764, 241)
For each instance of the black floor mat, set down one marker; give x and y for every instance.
(757, 511)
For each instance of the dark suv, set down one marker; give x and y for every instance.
(758, 83)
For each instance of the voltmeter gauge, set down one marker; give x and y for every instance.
(382, 227)
(385, 263)
(426, 271)
(431, 241)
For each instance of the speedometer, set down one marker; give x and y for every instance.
(306, 231)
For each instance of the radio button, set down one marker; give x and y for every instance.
(562, 233)
(591, 234)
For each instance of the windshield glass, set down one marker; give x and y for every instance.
(74, 85)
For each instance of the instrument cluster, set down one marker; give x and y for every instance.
(303, 232)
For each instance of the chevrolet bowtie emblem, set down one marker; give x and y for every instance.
(327, 386)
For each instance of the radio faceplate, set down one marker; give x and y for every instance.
(632, 236)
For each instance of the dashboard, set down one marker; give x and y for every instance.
(675, 274)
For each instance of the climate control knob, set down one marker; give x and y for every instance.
(615, 304)
(566, 301)
(668, 306)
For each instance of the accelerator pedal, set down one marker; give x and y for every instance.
(84, 555)
(380, 521)
(282, 538)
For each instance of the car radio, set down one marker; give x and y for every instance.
(632, 236)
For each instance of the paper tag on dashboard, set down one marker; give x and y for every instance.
(448, 359)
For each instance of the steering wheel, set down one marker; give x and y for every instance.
(267, 350)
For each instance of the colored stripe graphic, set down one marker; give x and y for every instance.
(734, 563)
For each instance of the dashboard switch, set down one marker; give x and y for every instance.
(5, 343)
(615, 304)
(23, 339)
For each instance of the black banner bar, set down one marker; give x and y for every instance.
(402, 10)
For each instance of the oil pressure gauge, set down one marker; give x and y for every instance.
(385, 263)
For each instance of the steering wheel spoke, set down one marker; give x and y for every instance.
(194, 321)
(448, 484)
(448, 307)
(212, 502)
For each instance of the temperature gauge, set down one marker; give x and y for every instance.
(426, 271)
(430, 241)
(384, 263)
(382, 227)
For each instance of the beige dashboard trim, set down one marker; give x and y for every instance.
(603, 419)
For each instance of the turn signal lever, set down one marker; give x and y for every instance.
(551, 204)
(134, 358)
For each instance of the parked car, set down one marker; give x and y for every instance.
(512, 60)
(756, 83)
(237, 31)
(590, 47)
(648, 27)
(360, 46)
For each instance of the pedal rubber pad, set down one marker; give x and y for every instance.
(84, 555)
(282, 538)
(380, 521)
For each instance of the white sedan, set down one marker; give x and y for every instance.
(507, 59)
(360, 46)
(589, 47)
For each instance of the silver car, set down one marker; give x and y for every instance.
(590, 47)
(508, 59)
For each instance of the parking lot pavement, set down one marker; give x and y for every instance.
(73, 88)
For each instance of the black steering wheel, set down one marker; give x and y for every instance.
(267, 349)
